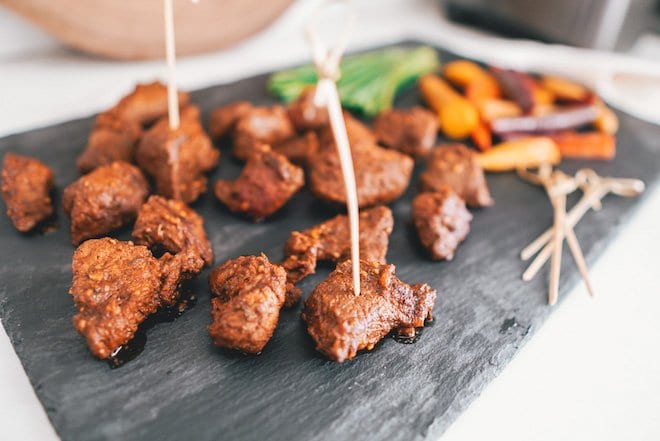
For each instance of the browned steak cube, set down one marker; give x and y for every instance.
(261, 125)
(299, 148)
(342, 323)
(266, 183)
(112, 139)
(442, 221)
(104, 200)
(170, 225)
(456, 165)
(26, 187)
(249, 293)
(147, 103)
(304, 114)
(177, 159)
(411, 131)
(223, 119)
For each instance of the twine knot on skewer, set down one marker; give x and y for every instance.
(327, 63)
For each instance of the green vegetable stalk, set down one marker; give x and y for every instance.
(369, 82)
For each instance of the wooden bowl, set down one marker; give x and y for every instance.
(133, 29)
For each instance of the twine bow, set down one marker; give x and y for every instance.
(327, 62)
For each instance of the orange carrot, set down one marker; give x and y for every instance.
(458, 117)
(482, 137)
(591, 145)
(565, 90)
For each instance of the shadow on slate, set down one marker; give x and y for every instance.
(181, 387)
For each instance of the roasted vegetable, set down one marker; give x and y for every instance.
(520, 153)
(606, 121)
(492, 109)
(458, 117)
(516, 86)
(369, 81)
(561, 120)
(482, 137)
(565, 90)
(592, 145)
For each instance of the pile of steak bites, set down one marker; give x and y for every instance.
(136, 169)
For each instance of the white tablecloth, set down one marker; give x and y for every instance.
(591, 372)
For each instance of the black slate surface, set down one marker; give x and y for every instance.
(181, 387)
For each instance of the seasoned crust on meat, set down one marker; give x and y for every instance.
(249, 294)
(304, 114)
(224, 118)
(104, 200)
(116, 286)
(358, 133)
(411, 131)
(456, 165)
(261, 125)
(442, 221)
(113, 138)
(177, 159)
(299, 148)
(342, 323)
(26, 187)
(147, 103)
(381, 175)
(172, 226)
(266, 183)
(331, 241)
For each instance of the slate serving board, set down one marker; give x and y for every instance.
(181, 387)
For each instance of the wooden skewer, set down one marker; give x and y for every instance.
(559, 205)
(327, 65)
(170, 53)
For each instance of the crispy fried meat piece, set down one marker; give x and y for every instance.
(147, 103)
(249, 294)
(304, 114)
(331, 241)
(411, 131)
(456, 165)
(170, 225)
(382, 175)
(358, 133)
(116, 286)
(299, 148)
(266, 183)
(342, 323)
(261, 125)
(104, 200)
(442, 221)
(223, 119)
(113, 138)
(177, 159)
(26, 186)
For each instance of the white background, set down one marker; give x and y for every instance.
(591, 372)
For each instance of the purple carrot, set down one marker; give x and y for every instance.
(561, 120)
(517, 86)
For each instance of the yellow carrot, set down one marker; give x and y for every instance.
(458, 117)
(520, 153)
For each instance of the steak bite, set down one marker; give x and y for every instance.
(104, 200)
(457, 167)
(411, 131)
(113, 138)
(342, 323)
(304, 114)
(116, 286)
(299, 148)
(223, 119)
(26, 187)
(358, 133)
(177, 159)
(170, 225)
(261, 125)
(249, 294)
(147, 103)
(266, 183)
(381, 175)
(442, 221)
(331, 241)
